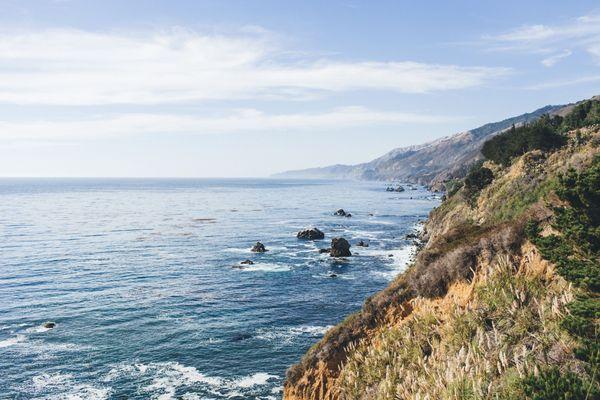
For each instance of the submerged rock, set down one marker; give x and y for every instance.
(49, 325)
(310, 234)
(362, 243)
(327, 250)
(247, 262)
(340, 212)
(259, 248)
(238, 337)
(340, 248)
(333, 275)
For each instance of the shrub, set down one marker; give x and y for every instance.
(554, 385)
(586, 113)
(477, 178)
(515, 142)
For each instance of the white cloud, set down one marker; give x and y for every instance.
(73, 67)
(563, 83)
(554, 41)
(550, 61)
(240, 121)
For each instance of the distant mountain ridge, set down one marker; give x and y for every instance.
(429, 164)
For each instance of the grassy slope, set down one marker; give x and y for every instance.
(482, 313)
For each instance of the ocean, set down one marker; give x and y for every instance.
(143, 281)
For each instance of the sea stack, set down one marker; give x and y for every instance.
(310, 234)
(340, 248)
(259, 248)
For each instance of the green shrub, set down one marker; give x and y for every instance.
(477, 178)
(515, 142)
(576, 254)
(586, 113)
(554, 385)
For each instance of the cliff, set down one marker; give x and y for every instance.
(502, 301)
(430, 163)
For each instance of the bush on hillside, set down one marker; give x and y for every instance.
(477, 178)
(515, 142)
(584, 114)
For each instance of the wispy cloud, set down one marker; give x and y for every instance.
(74, 67)
(565, 82)
(240, 121)
(553, 42)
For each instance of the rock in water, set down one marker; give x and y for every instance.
(340, 248)
(247, 262)
(49, 325)
(259, 248)
(311, 234)
(340, 212)
(362, 244)
(321, 251)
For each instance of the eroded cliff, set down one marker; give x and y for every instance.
(481, 313)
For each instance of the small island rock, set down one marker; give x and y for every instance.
(310, 234)
(340, 248)
(259, 248)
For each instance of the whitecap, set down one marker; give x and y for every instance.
(259, 378)
(286, 335)
(266, 267)
(43, 381)
(37, 329)
(62, 386)
(166, 378)
(400, 258)
(12, 341)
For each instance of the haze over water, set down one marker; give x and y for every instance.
(138, 276)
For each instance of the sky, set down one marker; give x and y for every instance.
(223, 88)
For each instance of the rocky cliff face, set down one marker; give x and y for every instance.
(482, 311)
(428, 164)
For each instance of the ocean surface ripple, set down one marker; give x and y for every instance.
(139, 277)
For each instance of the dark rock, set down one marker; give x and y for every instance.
(49, 325)
(333, 275)
(390, 255)
(340, 248)
(412, 236)
(259, 248)
(327, 250)
(362, 244)
(340, 212)
(348, 215)
(238, 337)
(310, 234)
(247, 262)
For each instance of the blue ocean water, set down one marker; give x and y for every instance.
(138, 276)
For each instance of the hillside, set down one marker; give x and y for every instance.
(429, 163)
(502, 301)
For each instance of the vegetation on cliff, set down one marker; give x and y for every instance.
(502, 302)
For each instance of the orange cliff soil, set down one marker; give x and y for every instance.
(468, 250)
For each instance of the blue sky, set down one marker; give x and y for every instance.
(249, 88)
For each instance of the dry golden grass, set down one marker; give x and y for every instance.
(469, 344)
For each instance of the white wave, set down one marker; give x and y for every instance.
(166, 378)
(12, 341)
(401, 258)
(62, 386)
(266, 267)
(286, 335)
(43, 381)
(37, 329)
(260, 378)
